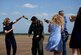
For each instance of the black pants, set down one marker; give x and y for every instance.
(10, 43)
(37, 46)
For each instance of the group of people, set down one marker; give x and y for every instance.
(57, 38)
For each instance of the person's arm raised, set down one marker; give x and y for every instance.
(47, 21)
(17, 20)
(72, 18)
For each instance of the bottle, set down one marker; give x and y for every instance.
(25, 17)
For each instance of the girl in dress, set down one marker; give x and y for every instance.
(56, 26)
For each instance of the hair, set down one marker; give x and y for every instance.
(5, 22)
(79, 15)
(34, 18)
(57, 19)
(60, 11)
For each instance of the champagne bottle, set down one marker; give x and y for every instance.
(25, 17)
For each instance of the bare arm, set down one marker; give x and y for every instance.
(62, 25)
(49, 28)
(72, 18)
(6, 32)
(17, 20)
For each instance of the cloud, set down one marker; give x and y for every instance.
(28, 5)
(3, 13)
(69, 14)
(16, 13)
(42, 15)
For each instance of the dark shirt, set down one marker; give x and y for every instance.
(77, 26)
(37, 29)
(8, 27)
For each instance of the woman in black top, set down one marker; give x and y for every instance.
(75, 41)
(9, 36)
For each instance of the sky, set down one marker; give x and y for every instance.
(40, 8)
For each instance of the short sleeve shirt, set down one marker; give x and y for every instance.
(8, 27)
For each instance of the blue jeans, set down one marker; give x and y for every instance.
(64, 39)
(64, 49)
